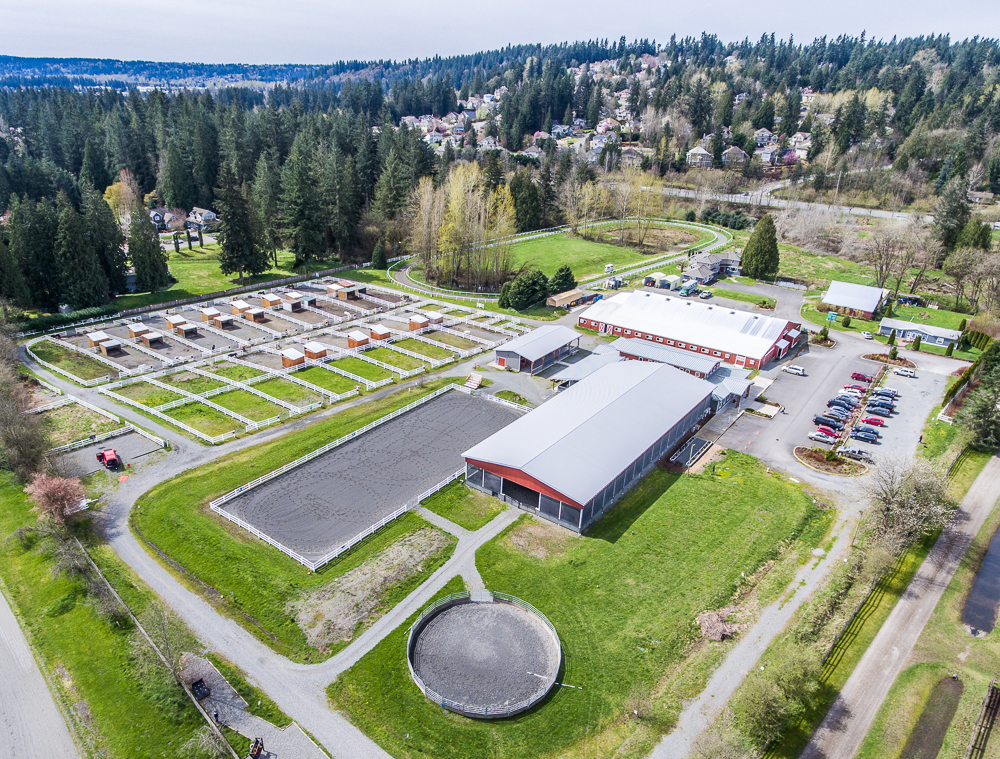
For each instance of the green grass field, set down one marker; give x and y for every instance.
(744, 297)
(453, 340)
(71, 361)
(425, 349)
(74, 422)
(204, 419)
(87, 657)
(234, 371)
(248, 405)
(584, 257)
(192, 383)
(623, 599)
(510, 395)
(464, 506)
(361, 368)
(288, 391)
(395, 358)
(174, 516)
(146, 394)
(326, 379)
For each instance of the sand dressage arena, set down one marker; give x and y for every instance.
(484, 657)
(318, 506)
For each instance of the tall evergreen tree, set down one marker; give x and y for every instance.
(393, 187)
(13, 288)
(952, 214)
(82, 283)
(760, 258)
(31, 230)
(239, 249)
(104, 238)
(94, 170)
(302, 221)
(148, 259)
(378, 257)
(264, 195)
(562, 280)
(975, 234)
(178, 183)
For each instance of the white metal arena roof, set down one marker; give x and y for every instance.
(858, 297)
(664, 355)
(580, 440)
(717, 327)
(540, 342)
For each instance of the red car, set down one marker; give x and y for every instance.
(860, 377)
(862, 388)
(874, 421)
(828, 431)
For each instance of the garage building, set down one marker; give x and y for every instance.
(537, 350)
(855, 300)
(736, 337)
(574, 456)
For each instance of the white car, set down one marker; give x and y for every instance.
(867, 335)
(819, 437)
(853, 392)
(793, 369)
(904, 372)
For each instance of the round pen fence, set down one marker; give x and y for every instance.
(467, 707)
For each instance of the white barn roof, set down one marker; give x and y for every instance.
(696, 362)
(540, 342)
(582, 439)
(858, 297)
(717, 327)
(293, 354)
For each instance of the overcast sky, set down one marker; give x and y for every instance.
(321, 31)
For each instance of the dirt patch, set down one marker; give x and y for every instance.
(884, 358)
(713, 624)
(539, 539)
(74, 422)
(332, 613)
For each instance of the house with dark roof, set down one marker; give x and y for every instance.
(733, 156)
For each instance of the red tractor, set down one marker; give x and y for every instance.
(109, 457)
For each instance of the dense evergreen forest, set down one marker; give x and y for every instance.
(317, 164)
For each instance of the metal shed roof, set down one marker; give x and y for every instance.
(582, 439)
(540, 342)
(858, 297)
(677, 358)
(585, 367)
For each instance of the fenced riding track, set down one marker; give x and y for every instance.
(317, 507)
(485, 655)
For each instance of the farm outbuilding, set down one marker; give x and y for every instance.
(174, 319)
(254, 315)
(356, 338)
(434, 317)
(570, 298)
(137, 330)
(292, 357)
(223, 321)
(239, 306)
(538, 349)
(111, 347)
(208, 314)
(379, 332)
(294, 305)
(314, 351)
(695, 364)
(344, 289)
(419, 321)
(96, 338)
(856, 300)
(187, 329)
(153, 339)
(572, 458)
(270, 300)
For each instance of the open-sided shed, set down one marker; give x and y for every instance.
(539, 349)
(111, 347)
(174, 319)
(292, 357)
(314, 350)
(356, 338)
(434, 317)
(137, 330)
(153, 339)
(223, 321)
(378, 332)
(254, 314)
(96, 338)
(187, 329)
(208, 314)
(239, 306)
(344, 289)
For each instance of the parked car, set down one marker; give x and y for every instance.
(838, 403)
(904, 372)
(850, 399)
(890, 391)
(858, 454)
(792, 369)
(838, 413)
(881, 400)
(867, 335)
(829, 421)
(827, 430)
(705, 294)
(861, 377)
(866, 428)
(865, 436)
(873, 420)
(851, 392)
(859, 388)
(878, 411)
(819, 437)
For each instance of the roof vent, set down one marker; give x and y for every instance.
(732, 312)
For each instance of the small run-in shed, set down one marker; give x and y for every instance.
(539, 349)
(419, 321)
(209, 314)
(347, 290)
(111, 347)
(314, 350)
(570, 298)
(293, 303)
(434, 317)
(292, 357)
(223, 321)
(96, 338)
(137, 330)
(378, 332)
(356, 338)
(187, 329)
(254, 315)
(174, 319)
(270, 300)
(153, 340)
(239, 306)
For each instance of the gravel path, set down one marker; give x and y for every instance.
(846, 724)
(31, 725)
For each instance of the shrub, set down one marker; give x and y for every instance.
(892, 338)
(847, 321)
(916, 343)
(950, 349)
(690, 216)
(893, 352)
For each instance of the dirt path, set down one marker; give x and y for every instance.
(844, 728)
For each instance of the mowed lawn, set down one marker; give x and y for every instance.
(324, 378)
(71, 361)
(361, 368)
(255, 580)
(584, 257)
(623, 599)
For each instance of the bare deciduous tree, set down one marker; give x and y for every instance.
(881, 253)
(205, 743)
(426, 215)
(961, 266)
(906, 500)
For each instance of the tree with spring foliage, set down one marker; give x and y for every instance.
(562, 280)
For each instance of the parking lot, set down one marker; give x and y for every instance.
(828, 370)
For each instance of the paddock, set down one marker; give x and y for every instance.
(320, 505)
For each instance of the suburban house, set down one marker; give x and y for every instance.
(705, 267)
(800, 138)
(631, 157)
(764, 137)
(928, 334)
(699, 158)
(733, 156)
(200, 218)
(856, 300)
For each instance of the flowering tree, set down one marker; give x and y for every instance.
(55, 497)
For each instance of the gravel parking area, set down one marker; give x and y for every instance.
(320, 505)
(83, 461)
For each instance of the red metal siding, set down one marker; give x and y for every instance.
(516, 475)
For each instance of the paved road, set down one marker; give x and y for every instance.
(844, 728)
(31, 725)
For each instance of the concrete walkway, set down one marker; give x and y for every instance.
(845, 726)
